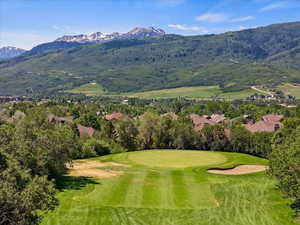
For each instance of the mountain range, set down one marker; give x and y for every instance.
(137, 33)
(10, 52)
(234, 60)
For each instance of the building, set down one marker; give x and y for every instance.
(85, 131)
(114, 116)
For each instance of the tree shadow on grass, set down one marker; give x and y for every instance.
(73, 183)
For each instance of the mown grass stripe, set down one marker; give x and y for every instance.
(151, 197)
(180, 189)
(135, 190)
(165, 183)
(117, 195)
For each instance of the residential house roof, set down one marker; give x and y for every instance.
(114, 116)
(201, 120)
(218, 118)
(85, 131)
(53, 118)
(263, 126)
(171, 115)
(272, 118)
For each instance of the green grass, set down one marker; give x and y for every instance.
(179, 159)
(153, 192)
(202, 92)
(90, 89)
(290, 89)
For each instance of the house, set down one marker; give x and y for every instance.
(114, 116)
(200, 121)
(217, 118)
(60, 120)
(85, 131)
(263, 126)
(171, 115)
(272, 118)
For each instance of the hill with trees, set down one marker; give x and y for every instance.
(233, 60)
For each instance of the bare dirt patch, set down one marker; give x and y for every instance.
(95, 169)
(242, 169)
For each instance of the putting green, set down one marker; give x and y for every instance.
(176, 159)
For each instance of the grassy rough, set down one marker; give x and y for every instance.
(160, 195)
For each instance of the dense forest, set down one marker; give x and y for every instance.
(39, 141)
(234, 60)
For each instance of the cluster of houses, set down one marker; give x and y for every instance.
(82, 130)
(268, 123)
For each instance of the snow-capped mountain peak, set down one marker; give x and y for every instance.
(10, 52)
(138, 32)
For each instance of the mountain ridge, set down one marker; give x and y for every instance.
(234, 60)
(138, 32)
(8, 52)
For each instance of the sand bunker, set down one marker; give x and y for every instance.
(242, 169)
(95, 169)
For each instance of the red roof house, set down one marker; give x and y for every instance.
(57, 119)
(272, 118)
(218, 118)
(85, 131)
(114, 116)
(263, 126)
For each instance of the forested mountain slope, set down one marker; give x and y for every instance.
(233, 60)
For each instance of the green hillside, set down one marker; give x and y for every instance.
(233, 60)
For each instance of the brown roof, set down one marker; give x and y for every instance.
(85, 131)
(114, 116)
(53, 118)
(171, 115)
(272, 118)
(263, 126)
(197, 120)
(218, 118)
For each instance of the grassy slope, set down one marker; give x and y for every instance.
(165, 196)
(192, 92)
(290, 89)
(90, 89)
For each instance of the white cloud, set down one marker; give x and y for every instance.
(212, 17)
(169, 3)
(242, 19)
(188, 28)
(275, 5)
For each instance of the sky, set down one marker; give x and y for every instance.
(27, 23)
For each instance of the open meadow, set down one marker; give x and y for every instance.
(168, 187)
(200, 92)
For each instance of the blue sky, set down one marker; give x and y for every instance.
(26, 23)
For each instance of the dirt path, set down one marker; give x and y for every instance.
(262, 91)
(95, 169)
(242, 169)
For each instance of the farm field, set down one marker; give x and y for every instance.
(167, 187)
(290, 89)
(203, 92)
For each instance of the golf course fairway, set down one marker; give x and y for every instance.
(168, 187)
